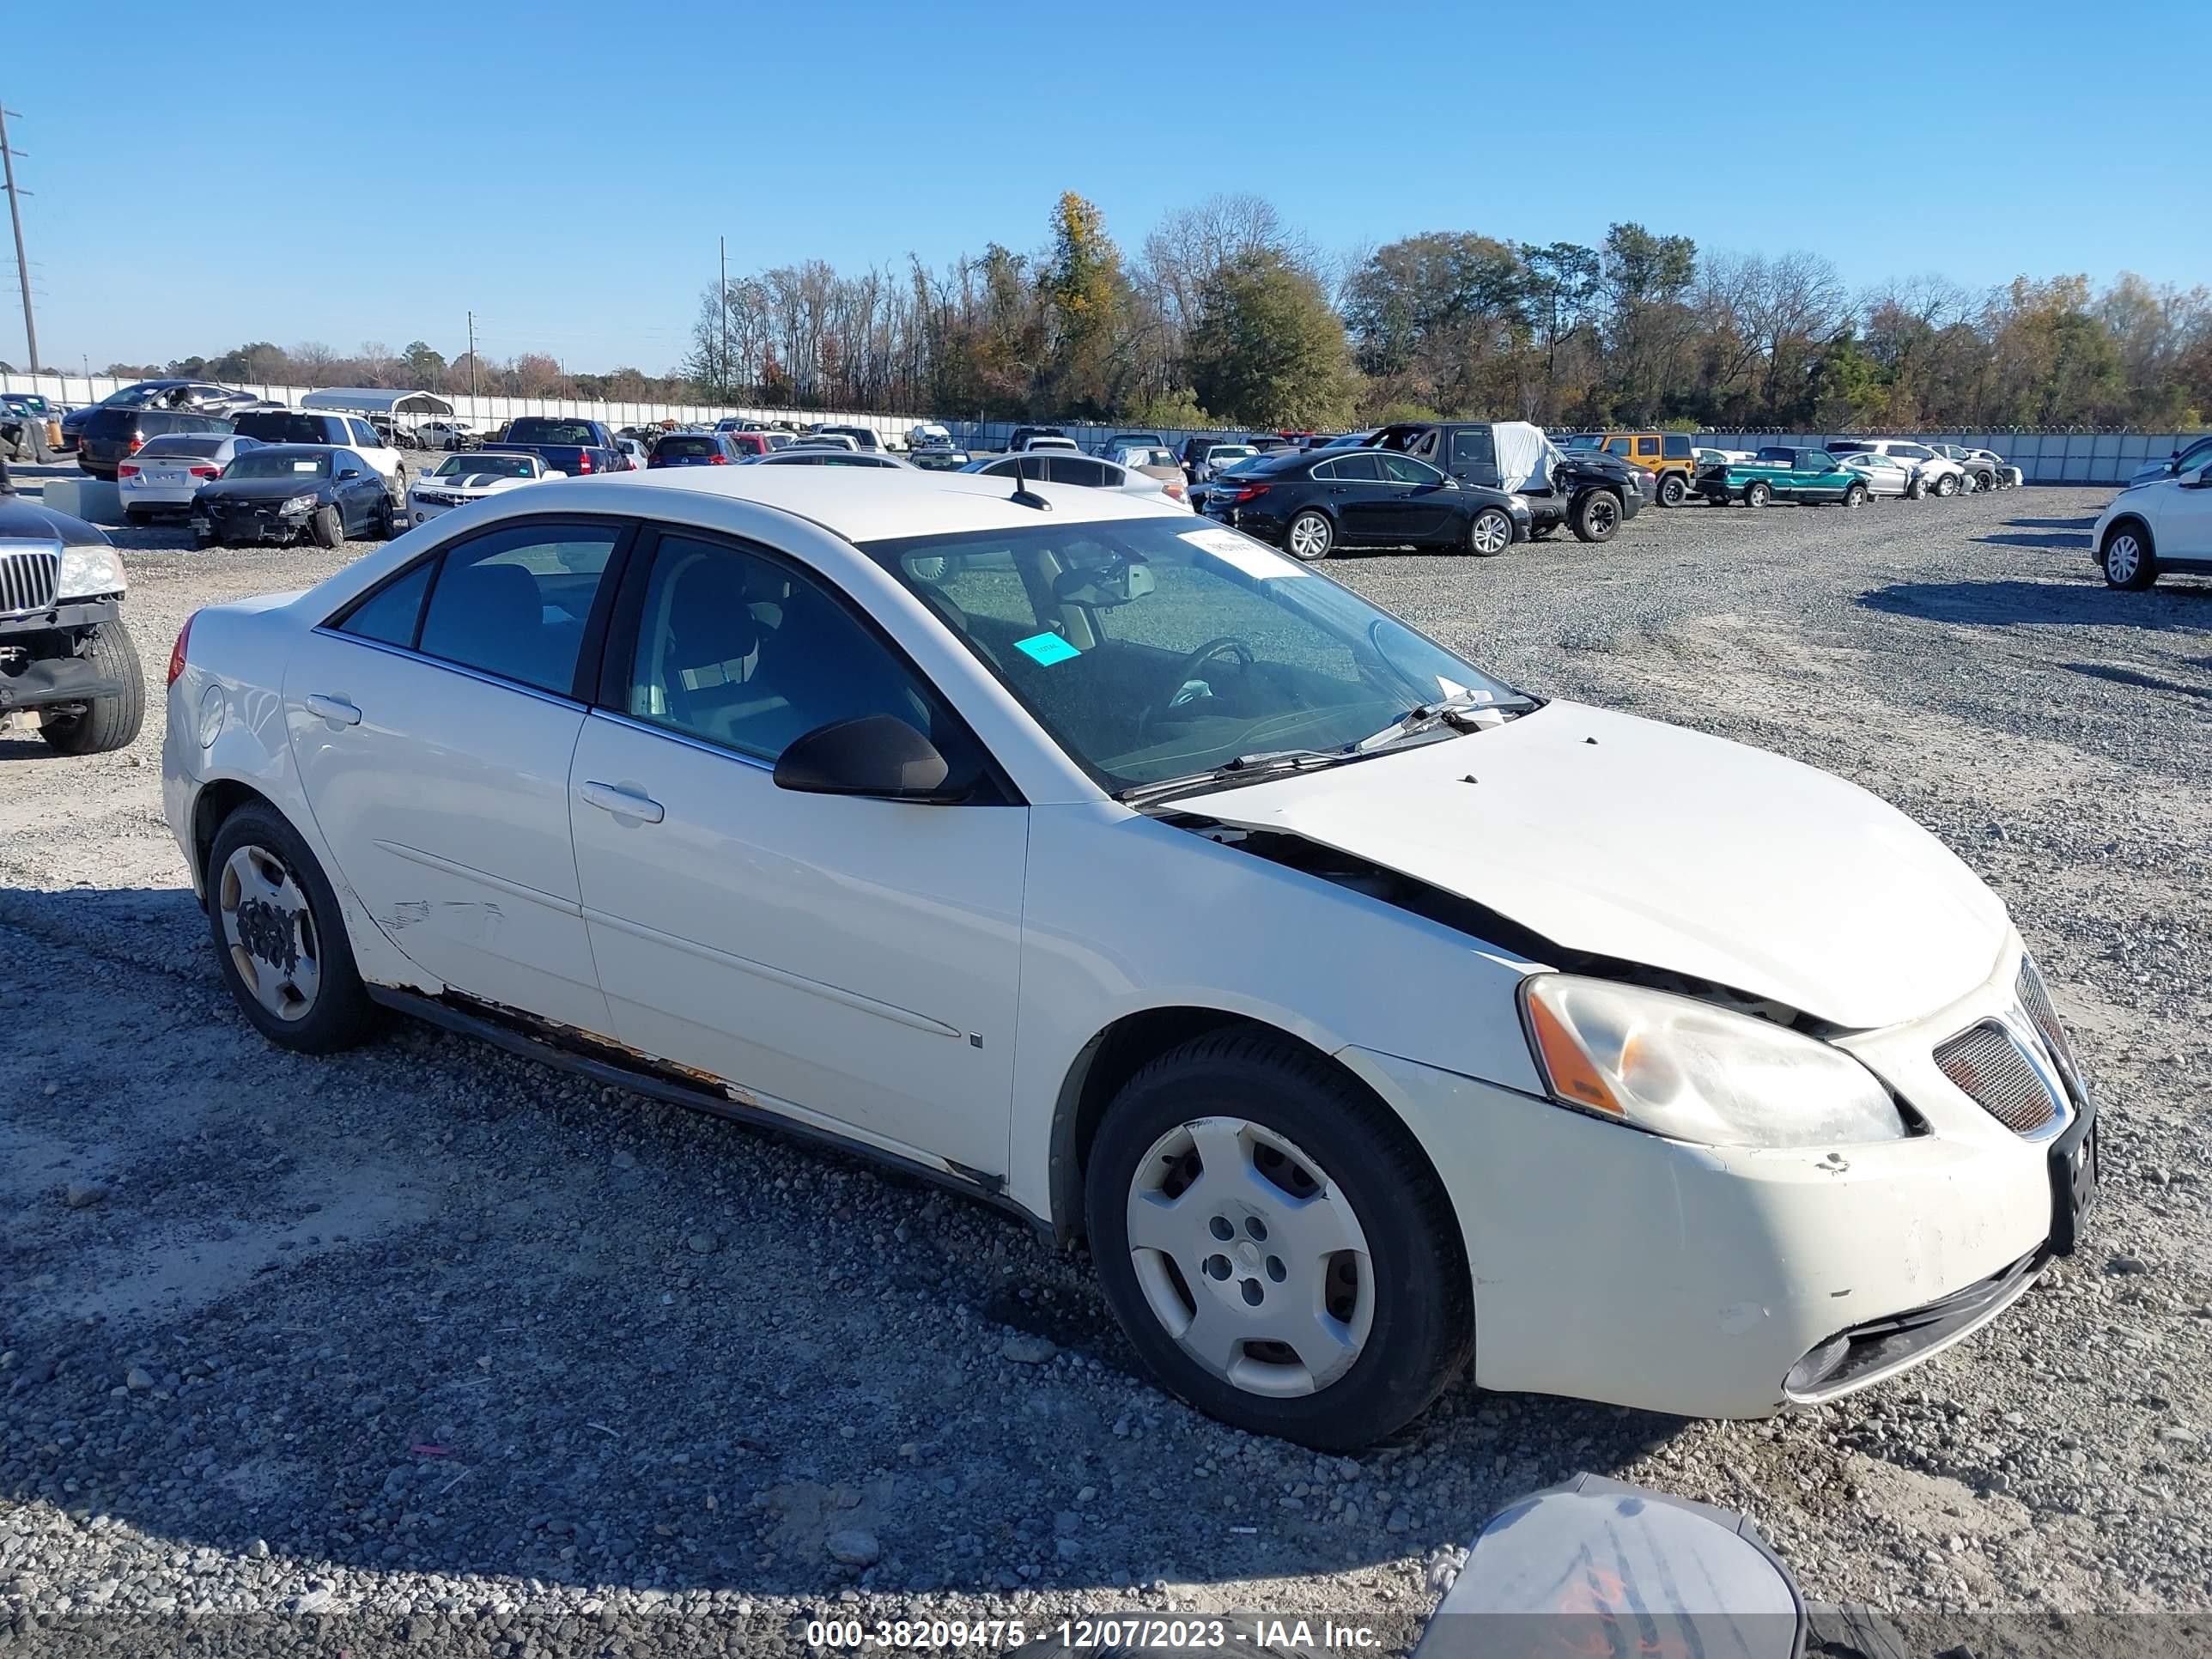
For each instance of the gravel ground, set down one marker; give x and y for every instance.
(463, 1348)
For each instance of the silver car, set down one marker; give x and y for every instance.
(1884, 475)
(167, 471)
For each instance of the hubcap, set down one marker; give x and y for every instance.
(271, 933)
(1601, 513)
(2121, 555)
(1250, 1257)
(1492, 532)
(1310, 537)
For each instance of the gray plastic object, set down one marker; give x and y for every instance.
(1595, 1568)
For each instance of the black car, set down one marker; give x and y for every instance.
(281, 492)
(64, 649)
(113, 434)
(204, 396)
(1590, 491)
(695, 449)
(1022, 434)
(1309, 502)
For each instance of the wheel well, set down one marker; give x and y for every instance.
(216, 802)
(2128, 520)
(1109, 1061)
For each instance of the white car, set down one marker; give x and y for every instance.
(2158, 527)
(929, 435)
(1985, 468)
(2188, 459)
(447, 432)
(1058, 467)
(1941, 474)
(167, 471)
(1369, 1018)
(1884, 475)
(1038, 443)
(1218, 458)
(811, 453)
(470, 476)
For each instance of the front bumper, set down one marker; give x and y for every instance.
(53, 677)
(251, 525)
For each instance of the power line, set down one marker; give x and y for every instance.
(15, 219)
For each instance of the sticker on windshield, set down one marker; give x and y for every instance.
(1046, 648)
(1242, 553)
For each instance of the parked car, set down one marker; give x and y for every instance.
(1039, 442)
(1266, 443)
(859, 437)
(1670, 457)
(699, 449)
(460, 479)
(946, 458)
(826, 441)
(929, 435)
(287, 492)
(111, 436)
(635, 454)
(1132, 441)
(30, 426)
(1023, 435)
(1088, 470)
(1885, 476)
(65, 654)
(279, 425)
(569, 446)
(859, 783)
(167, 471)
(447, 432)
(1215, 458)
(2188, 458)
(828, 455)
(203, 396)
(746, 443)
(1154, 461)
(1778, 473)
(1591, 493)
(2160, 527)
(1309, 502)
(1943, 475)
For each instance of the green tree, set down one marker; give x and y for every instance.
(1268, 348)
(1086, 296)
(424, 366)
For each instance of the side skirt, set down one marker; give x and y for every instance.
(517, 1034)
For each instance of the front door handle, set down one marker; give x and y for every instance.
(336, 710)
(623, 802)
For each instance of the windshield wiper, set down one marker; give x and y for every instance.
(1457, 710)
(1245, 769)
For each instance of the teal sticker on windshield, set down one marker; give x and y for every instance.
(1046, 648)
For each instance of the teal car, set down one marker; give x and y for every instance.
(1782, 475)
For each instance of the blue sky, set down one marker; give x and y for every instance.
(342, 174)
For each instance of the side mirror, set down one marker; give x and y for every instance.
(345, 473)
(877, 755)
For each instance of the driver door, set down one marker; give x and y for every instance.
(1420, 503)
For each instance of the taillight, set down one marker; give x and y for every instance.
(1246, 492)
(126, 471)
(1175, 490)
(137, 444)
(717, 460)
(177, 651)
(583, 463)
(207, 472)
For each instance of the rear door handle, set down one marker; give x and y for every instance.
(336, 710)
(623, 802)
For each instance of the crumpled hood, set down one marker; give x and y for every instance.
(1624, 837)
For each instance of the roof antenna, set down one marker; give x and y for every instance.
(1024, 496)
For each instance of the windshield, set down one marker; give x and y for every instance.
(1229, 452)
(280, 463)
(1150, 651)
(1587, 441)
(496, 466)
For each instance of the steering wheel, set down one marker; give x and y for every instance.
(1188, 669)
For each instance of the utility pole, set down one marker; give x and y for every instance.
(22, 261)
(472, 362)
(721, 304)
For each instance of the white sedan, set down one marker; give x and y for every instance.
(1061, 467)
(1371, 1018)
(167, 471)
(470, 476)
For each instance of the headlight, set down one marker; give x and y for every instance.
(299, 504)
(1685, 1069)
(87, 571)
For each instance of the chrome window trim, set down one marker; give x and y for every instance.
(462, 669)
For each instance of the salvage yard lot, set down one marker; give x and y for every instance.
(428, 1331)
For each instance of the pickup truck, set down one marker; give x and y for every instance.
(1591, 492)
(1779, 474)
(577, 448)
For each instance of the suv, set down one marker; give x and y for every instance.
(113, 434)
(1022, 434)
(1941, 474)
(315, 426)
(64, 649)
(1667, 456)
(1591, 491)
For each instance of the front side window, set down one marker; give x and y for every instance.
(1616, 446)
(1405, 470)
(364, 434)
(740, 652)
(1816, 460)
(1149, 651)
(514, 603)
(1913, 452)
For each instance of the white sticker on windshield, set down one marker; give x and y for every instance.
(1242, 553)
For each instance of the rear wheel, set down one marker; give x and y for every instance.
(1310, 536)
(386, 524)
(1757, 493)
(280, 937)
(1673, 491)
(2128, 559)
(1490, 533)
(104, 724)
(1329, 1305)
(1595, 516)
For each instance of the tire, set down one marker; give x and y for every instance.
(1673, 491)
(136, 517)
(1309, 537)
(1917, 489)
(1984, 482)
(386, 523)
(327, 526)
(1490, 533)
(261, 920)
(1948, 485)
(107, 723)
(2127, 558)
(1757, 493)
(1855, 496)
(395, 487)
(1595, 516)
(1408, 1324)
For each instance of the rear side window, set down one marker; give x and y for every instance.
(514, 603)
(389, 616)
(1075, 469)
(364, 434)
(1676, 446)
(1473, 446)
(1647, 447)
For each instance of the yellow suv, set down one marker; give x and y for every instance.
(1666, 456)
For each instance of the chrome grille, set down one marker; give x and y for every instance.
(27, 581)
(2036, 1000)
(1987, 1062)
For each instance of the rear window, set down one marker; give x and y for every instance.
(687, 446)
(535, 429)
(279, 426)
(1779, 457)
(190, 448)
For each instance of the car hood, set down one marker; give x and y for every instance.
(261, 489)
(1616, 836)
(479, 483)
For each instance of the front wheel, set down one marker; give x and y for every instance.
(1673, 491)
(1310, 536)
(1948, 485)
(280, 938)
(2128, 562)
(1757, 493)
(327, 526)
(107, 723)
(1596, 516)
(1855, 496)
(1326, 1302)
(1490, 533)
